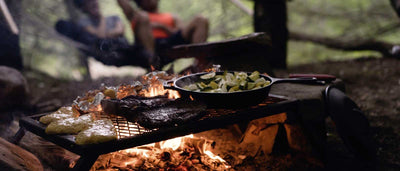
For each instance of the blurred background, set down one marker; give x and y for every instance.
(351, 20)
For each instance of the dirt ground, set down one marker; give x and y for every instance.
(373, 83)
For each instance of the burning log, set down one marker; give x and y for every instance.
(261, 135)
(183, 153)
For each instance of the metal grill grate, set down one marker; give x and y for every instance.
(126, 129)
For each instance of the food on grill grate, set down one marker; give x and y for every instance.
(228, 82)
(54, 117)
(69, 125)
(62, 113)
(171, 113)
(131, 105)
(99, 131)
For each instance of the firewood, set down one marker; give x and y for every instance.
(15, 158)
(261, 133)
(268, 138)
(52, 154)
(296, 138)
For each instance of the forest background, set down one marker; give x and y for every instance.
(350, 21)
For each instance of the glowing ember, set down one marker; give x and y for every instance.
(174, 143)
(172, 94)
(126, 90)
(99, 109)
(182, 153)
(213, 156)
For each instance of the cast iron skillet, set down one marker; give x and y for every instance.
(229, 100)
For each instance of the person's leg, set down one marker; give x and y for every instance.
(196, 31)
(73, 31)
(142, 32)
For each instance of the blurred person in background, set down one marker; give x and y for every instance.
(104, 36)
(93, 26)
(156, 32)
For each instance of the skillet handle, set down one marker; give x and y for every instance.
(168, 85)
(323, 77)
(304, 80)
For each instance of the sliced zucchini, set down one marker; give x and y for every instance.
(267, 83)
(233, 89)
(208, 76)
(250, 85)
(213, 85)
(191, 87)
(260, 80)
(254, 76)
(231, 83)
(201, 85)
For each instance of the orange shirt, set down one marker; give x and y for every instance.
(163, 18)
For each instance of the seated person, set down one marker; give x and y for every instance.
(103, 35)
(155, 31)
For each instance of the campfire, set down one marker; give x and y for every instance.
(191, 152)
(182, 153)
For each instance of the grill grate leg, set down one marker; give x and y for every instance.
(85, 162)
(18, 136)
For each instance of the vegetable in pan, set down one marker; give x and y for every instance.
(228, 82)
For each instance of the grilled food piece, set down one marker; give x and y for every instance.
(131, 105)
(54, 117)
(99, 131)
(172, 113)
(62, 113)
(69, 125)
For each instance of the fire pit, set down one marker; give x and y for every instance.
(132, 135)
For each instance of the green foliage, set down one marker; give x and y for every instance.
(350, 20)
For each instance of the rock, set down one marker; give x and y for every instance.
(14, 89)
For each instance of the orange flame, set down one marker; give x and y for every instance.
(172, 94)
(150, 153)
(156, 88)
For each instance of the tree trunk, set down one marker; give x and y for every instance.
(396, 6)
(270, 16)
(10, 55)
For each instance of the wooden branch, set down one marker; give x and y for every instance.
(243, 7)
(370, 44)
(386, 29)
(13, 157)
(9, 18)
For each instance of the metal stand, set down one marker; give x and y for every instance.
(18, 136)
